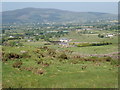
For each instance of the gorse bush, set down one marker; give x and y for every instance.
(63, 56)
(17, 64)
(40, 61)
(12, 56)
(108, 59)
(51, 52)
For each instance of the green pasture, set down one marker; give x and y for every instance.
(61, 69)
(62, 76)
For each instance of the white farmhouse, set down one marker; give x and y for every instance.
(64, 40)
(109, 35)
(11, 36)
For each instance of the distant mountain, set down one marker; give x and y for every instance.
(43, 15)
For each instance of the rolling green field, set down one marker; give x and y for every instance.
(36, 65)
(59, 74)
(63, 76)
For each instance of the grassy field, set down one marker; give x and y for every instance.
(36, 65)
(0, 74)
(60, 73)
(76, 37)
(81, 50)
(63, 76)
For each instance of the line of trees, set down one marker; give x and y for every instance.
(93, 44)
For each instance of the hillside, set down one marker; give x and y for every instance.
(43, 15)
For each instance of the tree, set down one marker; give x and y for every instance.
(37, 38)
(100, 36)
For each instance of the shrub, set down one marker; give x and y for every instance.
(83, 44)
(101, 43)
(4, 59)
(93, 44)
(46, 64)
(39, 71)
(74, 61)
(12, 56)
(108, 59)
(101, 36)
(36, 51)
(114, 62)
(40, 61)
(25, 55)
(17, 64)
(63, 56)
(41, 55)
(47, 44)
(26, 68)
(51, 52)
(43, 48)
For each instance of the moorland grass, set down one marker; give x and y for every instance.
(57, 73)
(63, 76)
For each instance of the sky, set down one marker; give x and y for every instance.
(105, 7)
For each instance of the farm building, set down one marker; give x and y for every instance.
(64, 40)
(109, 35)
